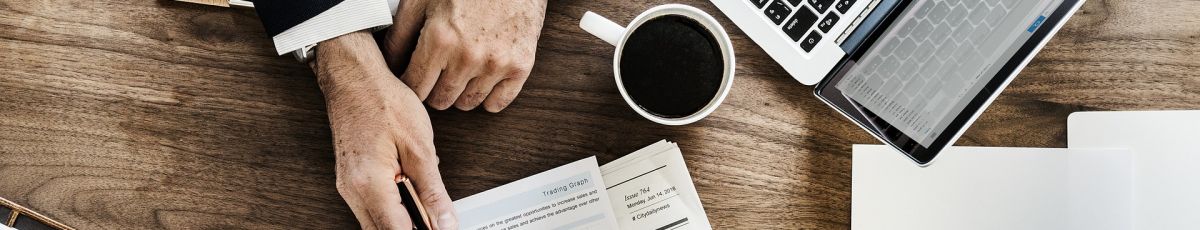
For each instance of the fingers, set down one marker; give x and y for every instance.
(402, 36)
(370, 190)
(443, 72)
(504, 92)
(427, 64)
(477, 90)
(422, 169)
(451, 85)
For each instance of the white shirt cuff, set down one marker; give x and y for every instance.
(343, 18)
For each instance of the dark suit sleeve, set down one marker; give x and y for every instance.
(280, 15)
(294, 24)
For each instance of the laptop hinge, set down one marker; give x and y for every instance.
(857, 22)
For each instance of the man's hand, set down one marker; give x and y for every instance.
(467, 52)
(380, 131)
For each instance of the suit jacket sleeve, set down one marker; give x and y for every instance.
(293, 24)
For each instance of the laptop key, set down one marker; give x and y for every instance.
(958, 14)
(796, 2)
(799, 23)
(926, 7)
(811, 41)
(940, 33)
(777, 11)
(939, 12)
(996, 17)
(759, 3)
(906, 48)
(962, 32)
(889, 47)
(946, 51)
(905, 29)
(843, 5)
(828, 23)
(821, 5)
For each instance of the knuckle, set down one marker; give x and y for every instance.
(526, 67)
(412, 78)
(423, 154)
(453, 81)
(349, 183)
(342, 186)
(526, 64)
(494, 64)
(433, 196)
(455, 84)
(520, 69)
(472, 56)
(442, 37)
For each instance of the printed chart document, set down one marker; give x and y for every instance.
(651, 189)
(571, 196)
(1166, 156)
(992, 188)
(647, 189)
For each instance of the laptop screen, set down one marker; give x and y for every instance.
(936, 57)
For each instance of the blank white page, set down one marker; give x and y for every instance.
(991, 188)
(1166, 155)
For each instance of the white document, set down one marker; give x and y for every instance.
(992, 188)
(651, 189)
(1166, 156)
(571, 196)
(647, 189)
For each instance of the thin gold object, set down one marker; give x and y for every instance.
(12, 217)
(222, 3)
(18, 210)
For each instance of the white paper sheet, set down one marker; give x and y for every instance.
(647, 189)
(1166, 150)
(571, 196)
(992, 188)
(651, 189)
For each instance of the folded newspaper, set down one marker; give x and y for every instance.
(647, 189)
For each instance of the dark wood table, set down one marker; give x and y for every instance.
(158, 114)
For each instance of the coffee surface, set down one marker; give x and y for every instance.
(671, 66)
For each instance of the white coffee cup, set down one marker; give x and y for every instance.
(616, 35)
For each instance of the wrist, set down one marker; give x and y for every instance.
(348, 60)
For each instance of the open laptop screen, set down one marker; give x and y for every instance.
(918, 72)
(934, 59)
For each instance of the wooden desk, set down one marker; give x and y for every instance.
(157, 114)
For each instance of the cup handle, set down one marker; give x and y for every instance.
(602, 28)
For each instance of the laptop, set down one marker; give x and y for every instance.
(913, 73)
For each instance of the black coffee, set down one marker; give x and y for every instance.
(672, 66)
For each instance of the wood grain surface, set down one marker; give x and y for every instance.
(158, 114)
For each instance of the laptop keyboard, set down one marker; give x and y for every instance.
(941, 42)
(798, 18)
(936, 56)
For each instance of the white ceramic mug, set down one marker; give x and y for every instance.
(616, 35)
